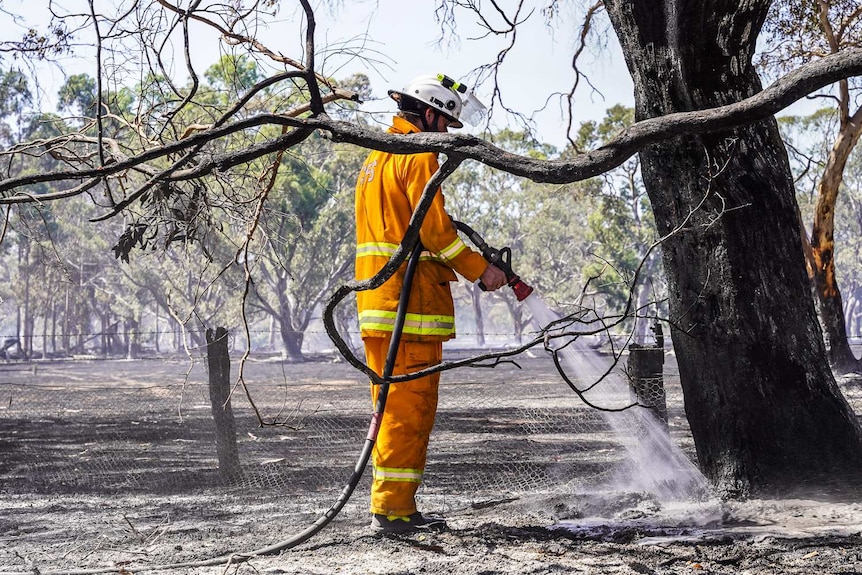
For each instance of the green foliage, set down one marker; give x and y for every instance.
(232, 73)
(620, 227)
(15, 98)
(15, 93)
(793, 34)
(78, 93)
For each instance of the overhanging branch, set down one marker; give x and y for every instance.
(782, 93)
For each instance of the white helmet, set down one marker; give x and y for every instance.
(441, 93)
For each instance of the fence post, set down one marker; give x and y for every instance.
(218, 364)
(646, 379)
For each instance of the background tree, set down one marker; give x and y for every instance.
(15, 99)
(798, 31)
(305, 251)
(621, 229)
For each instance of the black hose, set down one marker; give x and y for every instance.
(373, 428)
(477, 240)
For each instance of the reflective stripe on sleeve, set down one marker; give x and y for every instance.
(451, 251)
(400, 474)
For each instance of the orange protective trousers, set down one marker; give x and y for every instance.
(402, 442)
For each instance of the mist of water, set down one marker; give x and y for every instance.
(655, 464)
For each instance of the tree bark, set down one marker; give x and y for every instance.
(292, 341)
(821, 256)
(765, 411)
(132, 337)
(291, 338)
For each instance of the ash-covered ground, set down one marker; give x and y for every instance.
(98, 476)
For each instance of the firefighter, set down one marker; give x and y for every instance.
(387, 191)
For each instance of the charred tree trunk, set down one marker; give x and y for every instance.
(764, 409)
(830, 310)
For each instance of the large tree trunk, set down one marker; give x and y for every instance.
(764, 409)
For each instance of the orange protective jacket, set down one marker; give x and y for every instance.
(387, 191)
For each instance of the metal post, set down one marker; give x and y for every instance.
(646, 380)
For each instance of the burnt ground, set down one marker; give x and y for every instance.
(110, 466)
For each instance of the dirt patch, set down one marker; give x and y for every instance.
(110, 467)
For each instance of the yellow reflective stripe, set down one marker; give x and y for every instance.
(375, 249)
(386, 250)
(415, 323)
(451, 251)
(400, 474)
(377, 320)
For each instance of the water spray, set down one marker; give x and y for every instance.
(501, 258)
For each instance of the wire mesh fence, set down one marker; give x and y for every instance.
(138, 437)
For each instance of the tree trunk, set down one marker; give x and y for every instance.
(291, 338)
(475, 298)
(104, 336)
(132, 337)
(158, 329)
(292, 341)
(53, 326)
(851, 312)
(764, 409)
(830, 310)
(65, 335)
(26, 334)
(821, 255)
(45, 320)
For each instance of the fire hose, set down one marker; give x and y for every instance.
(502, 258)
(373, 428)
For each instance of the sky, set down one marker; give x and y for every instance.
(397, 41)
(393, 41)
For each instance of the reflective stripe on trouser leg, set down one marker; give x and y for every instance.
(402, 443)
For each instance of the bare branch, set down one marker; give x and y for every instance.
(779, 95)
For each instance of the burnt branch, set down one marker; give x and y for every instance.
(779, 95)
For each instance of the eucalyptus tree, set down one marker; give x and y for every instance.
(622, 232)
(800, 31)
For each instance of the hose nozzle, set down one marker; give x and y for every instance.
(522, 290)
(501, 258)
